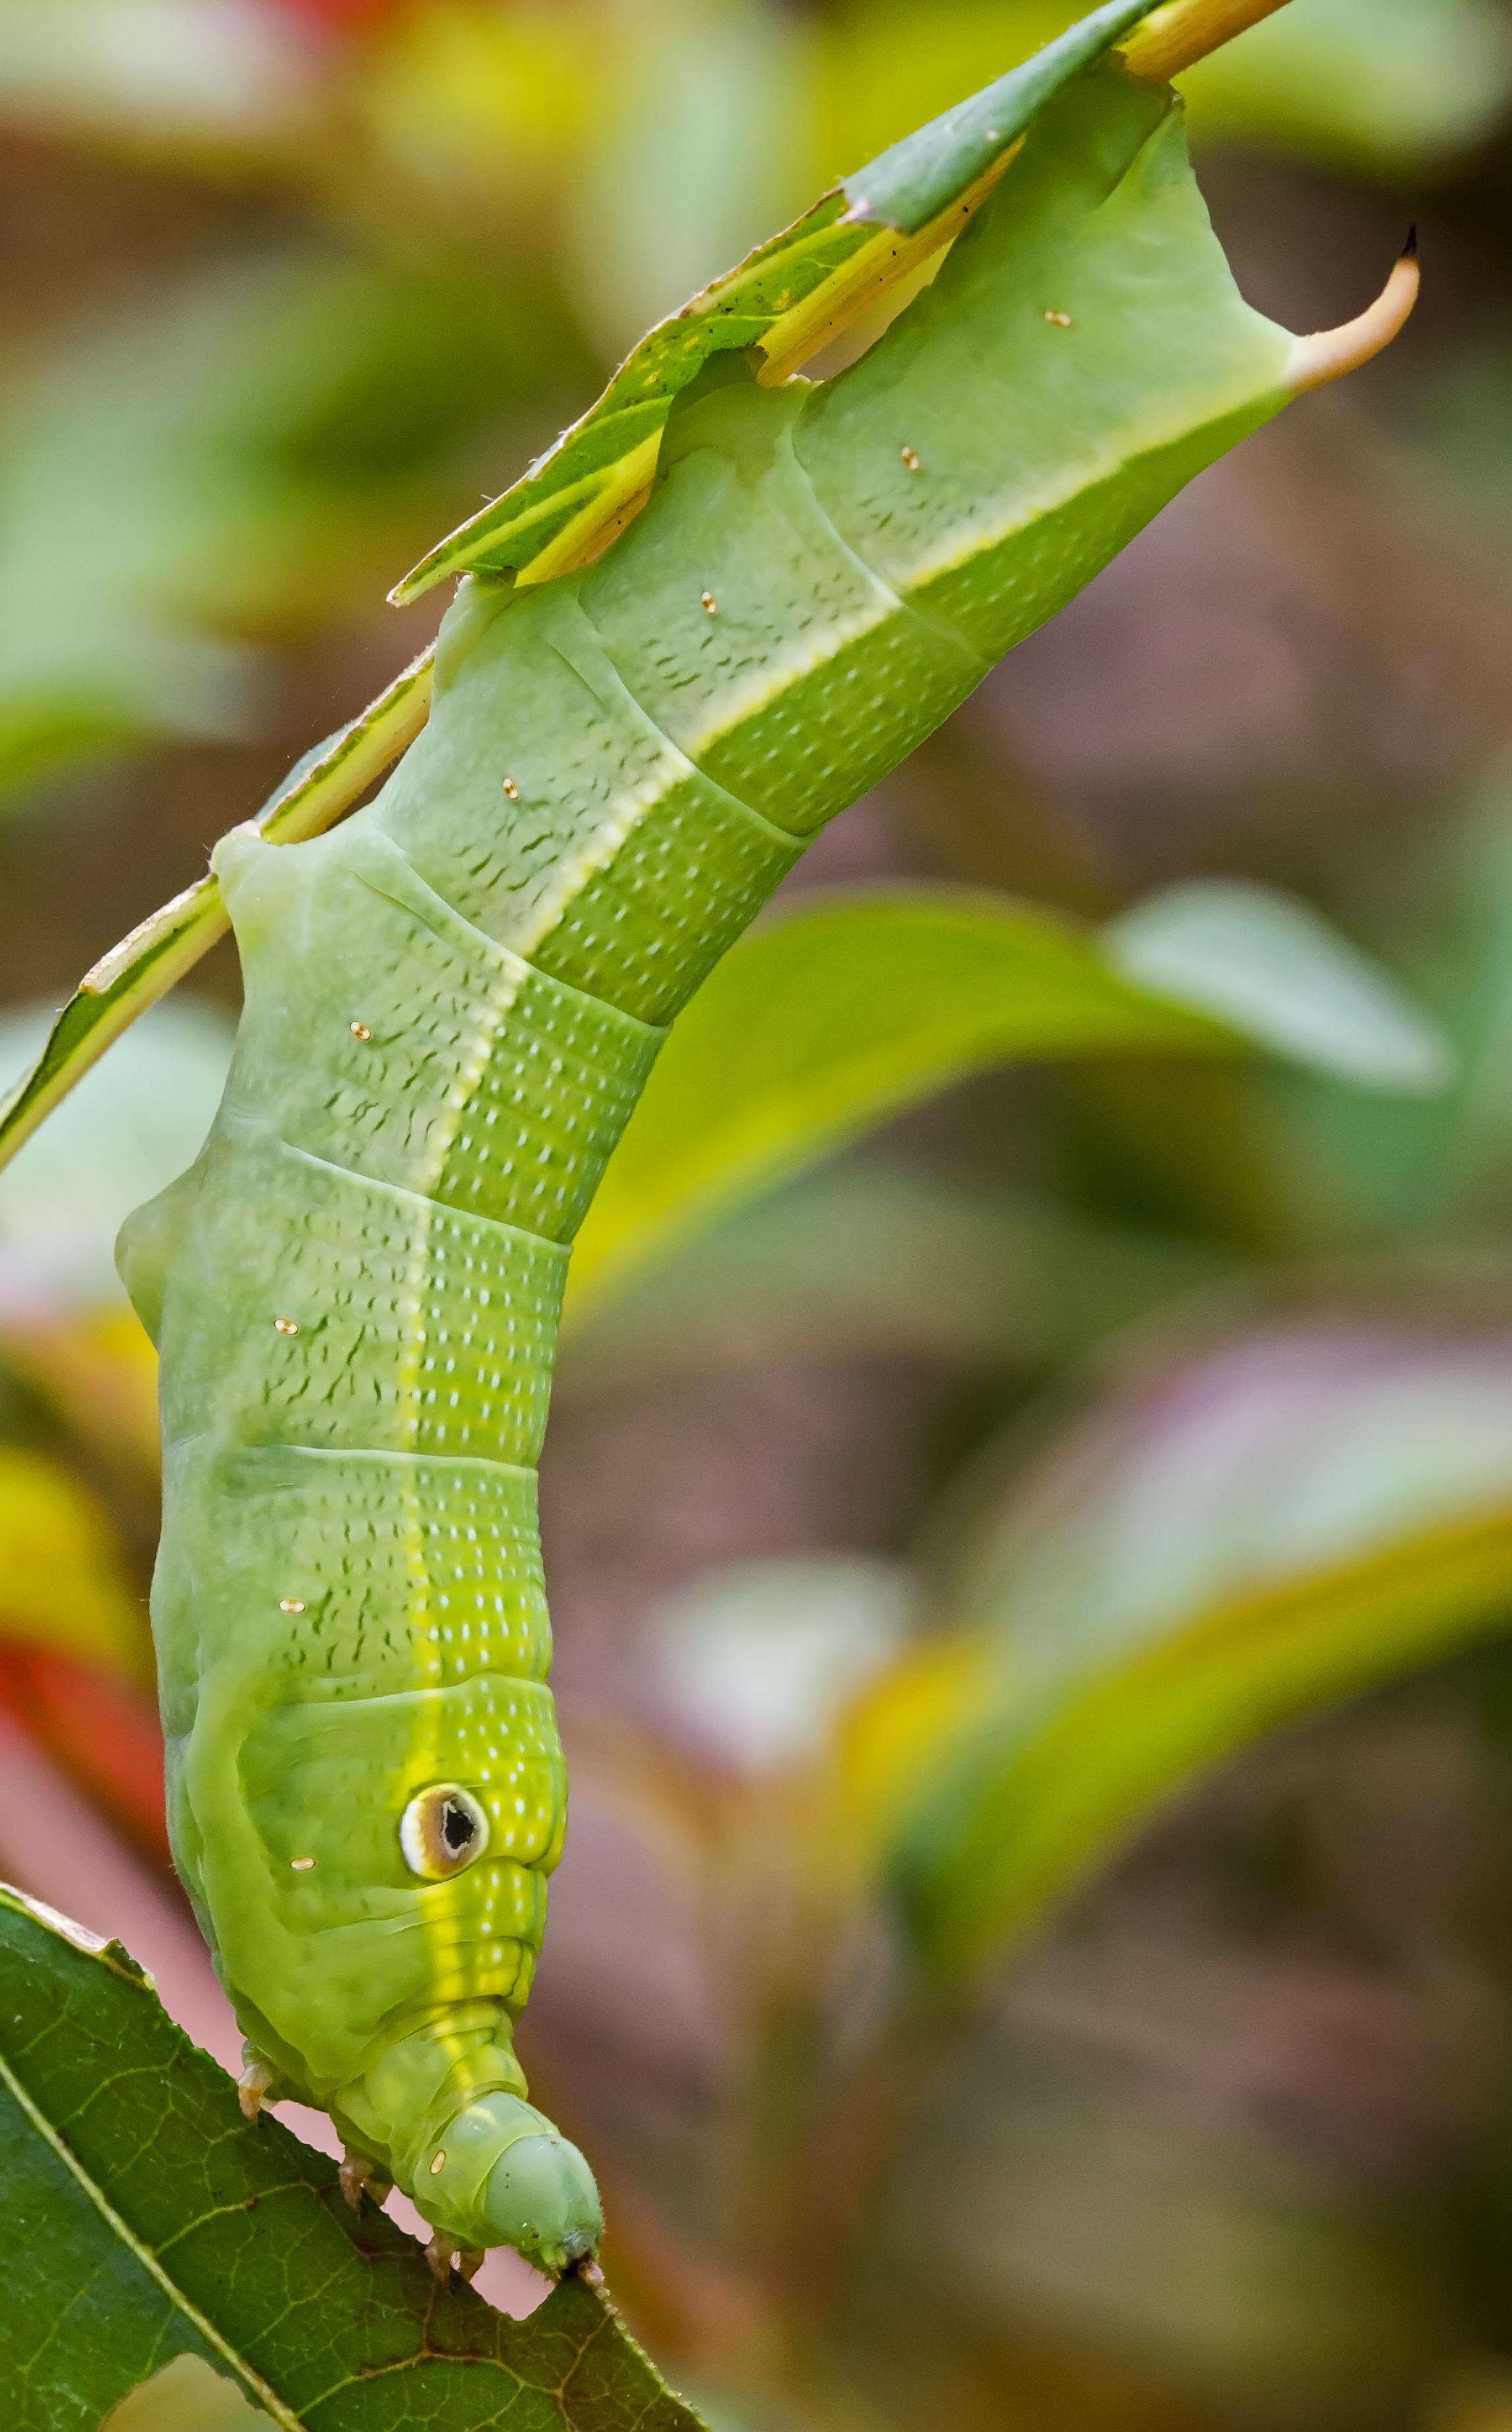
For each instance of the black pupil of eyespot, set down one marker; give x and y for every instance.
(456, 1825)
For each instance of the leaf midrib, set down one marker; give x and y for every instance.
(121, 2228)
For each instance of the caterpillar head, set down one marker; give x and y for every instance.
(503, 2176)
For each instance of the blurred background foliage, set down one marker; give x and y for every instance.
(1032, 1560)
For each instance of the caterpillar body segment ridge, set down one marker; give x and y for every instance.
(452, 1005)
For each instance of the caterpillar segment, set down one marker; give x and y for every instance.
(453, 1003)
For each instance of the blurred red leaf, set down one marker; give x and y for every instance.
(103, 1731)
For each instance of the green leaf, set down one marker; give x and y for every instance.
(1293, 1520)
(785, 297)
(1274, 967)
(144, 2220)
(830, 1021)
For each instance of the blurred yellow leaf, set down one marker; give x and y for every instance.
(898, 1729)
(61, 1581)
(1047, 1779)
(501, 98)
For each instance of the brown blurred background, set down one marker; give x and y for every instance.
(1221, 2136)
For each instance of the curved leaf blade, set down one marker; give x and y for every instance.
(144, 2219)
(911, 184)
(1238, 1542)
(1274, 967)
(976, 1877)
(829, 1021)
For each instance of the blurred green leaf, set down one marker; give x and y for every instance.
(121, 1137)
(1435, 1172)
(1297, 1518)
(830, 1021)
(144, 2219)
(1275, 969)
(1391, 87)
(226, 465)
(883, 1261)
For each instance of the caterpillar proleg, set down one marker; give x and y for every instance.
(453, 1003)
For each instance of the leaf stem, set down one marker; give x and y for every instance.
(166, 946)
(1184, 31)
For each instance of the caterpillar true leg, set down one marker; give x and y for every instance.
(253, 2088)
(445, 2255)
(361, 2176)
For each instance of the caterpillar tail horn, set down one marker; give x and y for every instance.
(1328, 354)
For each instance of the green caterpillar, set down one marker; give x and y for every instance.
(453, 1003)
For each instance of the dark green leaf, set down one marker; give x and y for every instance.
(144, 2219)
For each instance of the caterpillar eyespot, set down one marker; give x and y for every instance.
(442, 1830)
(286, 1325)
(360, 1030)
